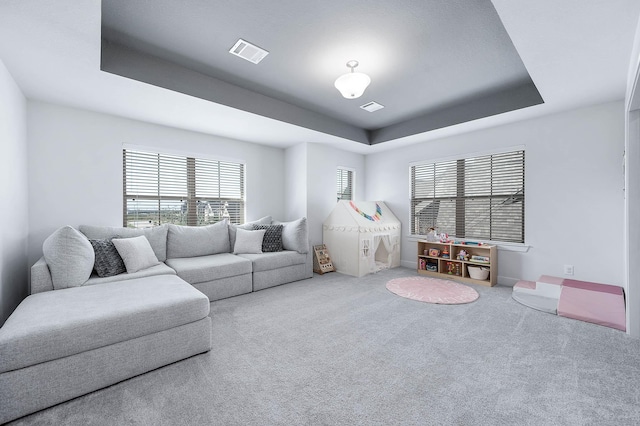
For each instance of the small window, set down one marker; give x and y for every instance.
(344, 184)
(162, 188)
(480, 197)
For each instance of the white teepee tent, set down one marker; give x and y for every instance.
(362, 237)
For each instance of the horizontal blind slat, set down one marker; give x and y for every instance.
(157, 189)
(479, 197)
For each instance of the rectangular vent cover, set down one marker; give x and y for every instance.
(248, 51)
(371, 106)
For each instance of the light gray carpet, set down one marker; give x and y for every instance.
(341, 350)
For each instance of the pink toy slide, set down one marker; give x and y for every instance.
(591, 302)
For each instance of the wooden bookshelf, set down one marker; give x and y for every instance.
(453, 268)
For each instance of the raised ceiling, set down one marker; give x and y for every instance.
(433, 64)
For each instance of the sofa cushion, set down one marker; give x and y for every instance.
(295, 235)
(156, 235)
(108, 261)
(248, 241)
(70, 257)
(269, 261)
(249, 225)
(136, 253)
(201, 269)
(57, 324)
(160, 269)
(190, 241)
(272, 240)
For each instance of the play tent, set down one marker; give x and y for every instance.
(362, 237)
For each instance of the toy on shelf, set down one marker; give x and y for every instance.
(463, 255)
(422, 265)
(433, 267)
(480, 259)
(450, 268)
(445, 252)
(432, 237)
(434, 252)
(468, 243)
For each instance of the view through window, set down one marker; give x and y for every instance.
(344, 183)
(162, 188)
(479, 197)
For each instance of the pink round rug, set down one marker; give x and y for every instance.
(432, 290)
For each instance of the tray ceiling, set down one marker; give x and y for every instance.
(432, 64)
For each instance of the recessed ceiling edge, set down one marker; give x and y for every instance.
(125, 62)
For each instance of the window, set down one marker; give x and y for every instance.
(161, 188)
(344, 183)
(479, 197)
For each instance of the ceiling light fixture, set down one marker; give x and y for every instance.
(352, 85)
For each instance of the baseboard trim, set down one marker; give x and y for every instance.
(409, 264)
(507, 281)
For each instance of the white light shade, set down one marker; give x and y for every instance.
(352, 85)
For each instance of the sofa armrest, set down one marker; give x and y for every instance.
(40, 277)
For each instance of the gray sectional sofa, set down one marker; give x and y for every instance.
(78, 332)
(204, 257)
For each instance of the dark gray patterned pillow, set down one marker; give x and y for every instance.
(108, 262)
(272, 240)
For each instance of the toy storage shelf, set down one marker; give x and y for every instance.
(459, 268)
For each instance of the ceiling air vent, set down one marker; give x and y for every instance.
(371, 106)
(248, 51)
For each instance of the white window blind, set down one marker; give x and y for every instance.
(344, 184)
(479, 197)
(162, 188)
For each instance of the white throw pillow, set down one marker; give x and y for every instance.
(70, 257)
(248, 242)
(249, 225)
(136, 253)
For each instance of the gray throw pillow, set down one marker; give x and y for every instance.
(272, 240)
(191, 241)
(249, 225)
(108, 262)
(248, 242)
(69, 256)
(136, 253)
(295, 235)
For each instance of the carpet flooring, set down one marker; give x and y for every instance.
(338, 350)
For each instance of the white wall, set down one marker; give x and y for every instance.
(75, 167)
(573, 197)
(295, 182)
(322, 163)
(13, 193)
(632, 189)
